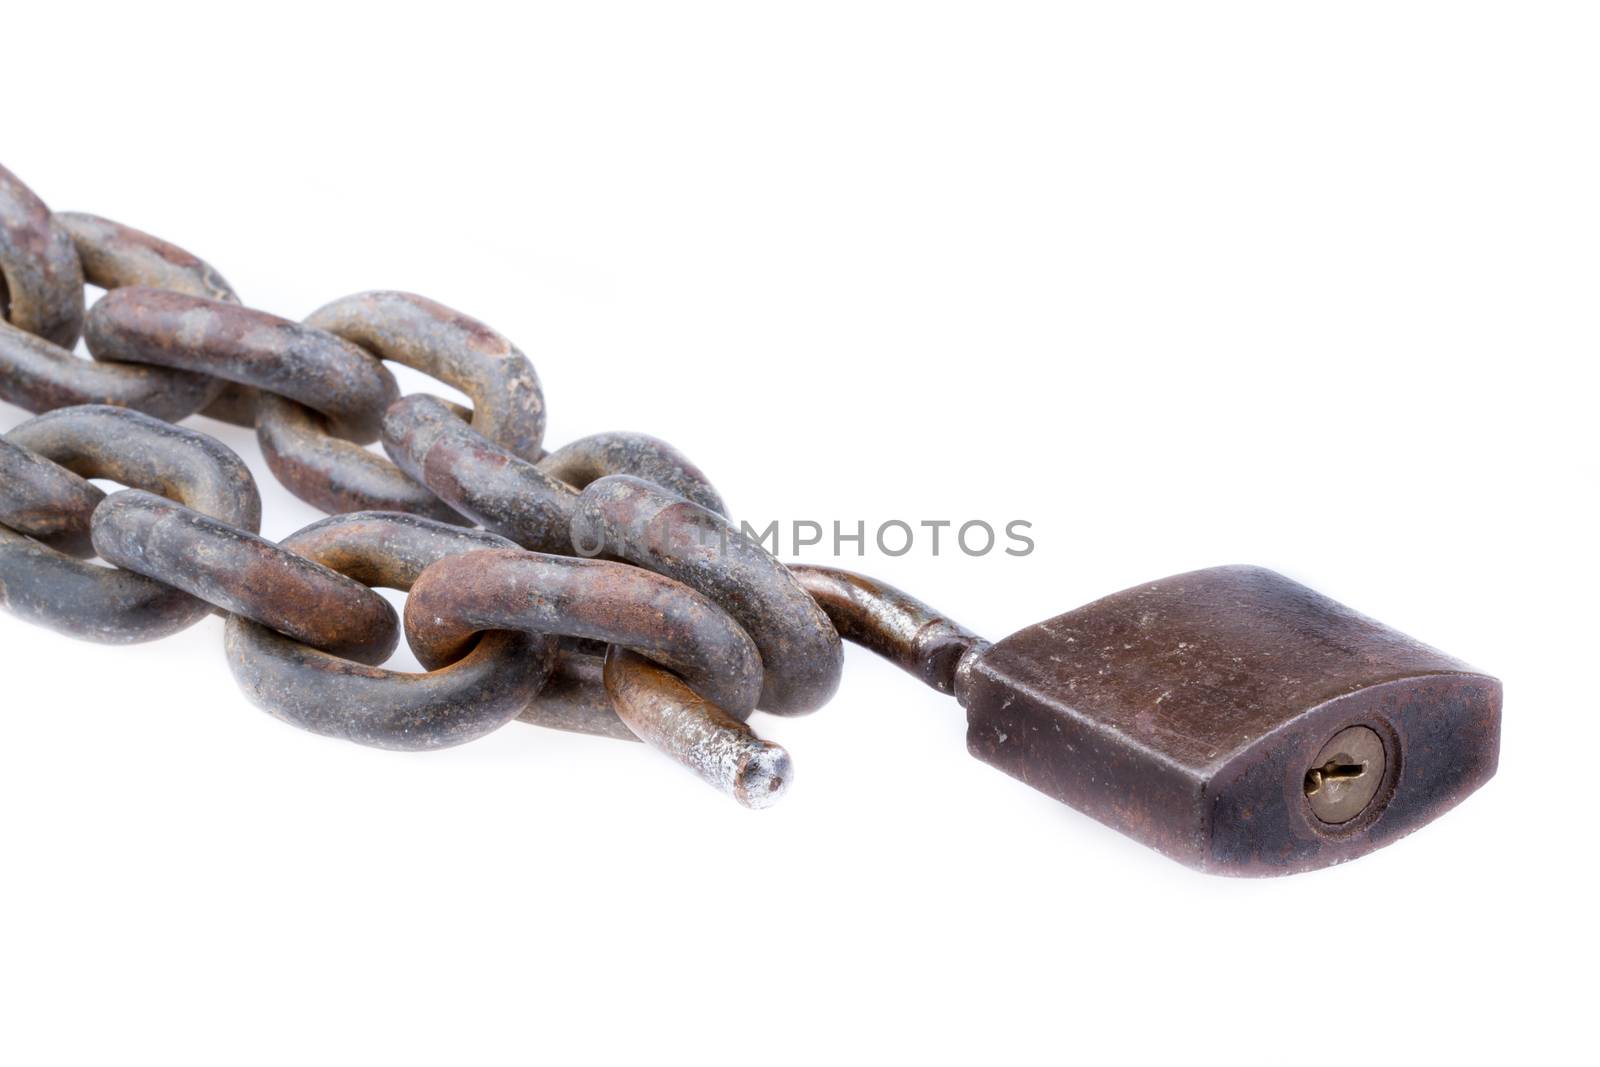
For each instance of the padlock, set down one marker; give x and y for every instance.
(1235, 720)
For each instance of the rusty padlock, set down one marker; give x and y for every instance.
(1230, 718)
(1235, 720)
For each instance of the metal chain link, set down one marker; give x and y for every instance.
(673, 638)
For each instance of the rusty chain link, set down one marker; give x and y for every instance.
(674, 637)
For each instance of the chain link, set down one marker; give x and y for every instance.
(673, 638)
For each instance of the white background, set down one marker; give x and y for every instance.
(1310, 286)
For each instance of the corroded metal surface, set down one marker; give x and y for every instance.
(75, 598)
(895, 625)
(591, 458)
(38, 375)
(100, 441)
(487, 483)
(114, 255)
(47, 259)
(244, 574)
(41, 283)
(672, 718)
(388, 549)
(507, 402)
(45, 500)
(509, 589)
(250, 347)
(335, 475)
(100, 604)
(324, 693)
(658, 530)
(574, 698)
(330, 695)
(1188, 712)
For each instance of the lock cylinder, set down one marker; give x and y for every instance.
(1235, 720)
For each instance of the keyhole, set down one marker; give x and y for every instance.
(1345, 776)
(1341, 768)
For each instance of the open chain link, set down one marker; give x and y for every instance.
(674, 636)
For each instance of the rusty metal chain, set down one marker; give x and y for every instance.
(673, 637)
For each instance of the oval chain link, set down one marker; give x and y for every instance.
(72, 596)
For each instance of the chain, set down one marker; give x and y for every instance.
(601, 587)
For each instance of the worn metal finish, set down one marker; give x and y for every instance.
(503, 492)
(244, 574)
(98, 603)
(385, 548)
(41, 282)
(509, 589)
(672, 718)
(653, 528)
(234, 403)
(1188, 712)
(143, 325)
(507, 402)
(591, 458)
(326, 694)
(78, 599)
(100, 441)
(114, 255)
(899, 627)
(45, 500)
(335, 475)
(574, 698)
(39, 375)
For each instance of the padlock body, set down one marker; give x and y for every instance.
(1188, 712)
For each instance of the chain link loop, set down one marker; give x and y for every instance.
(659, 530)
(244, 574)
(488, 484)
(114, 255)
(51, 588)
(596, 600)
(338, 476)
(329, 694)
(230, 341)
